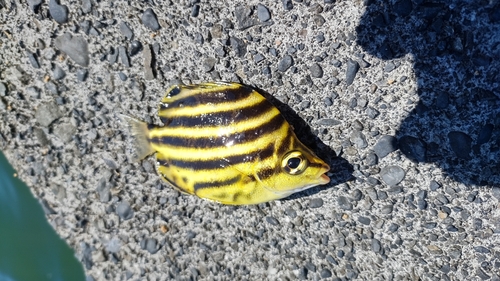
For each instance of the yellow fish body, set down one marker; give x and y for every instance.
(225, 142)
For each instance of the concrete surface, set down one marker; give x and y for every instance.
(405, 92)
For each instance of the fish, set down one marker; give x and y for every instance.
(225, 142)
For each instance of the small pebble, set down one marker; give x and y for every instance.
(135, 48)
(302, 273)
(285, 63)
(315, 203)
(385, 145)
(81, 74)
(320, 37)
(481, 274)
(393, 227)
(287, 4)
(371, 159)
(442, 199)
(122, 52)
(258, 58)
(373, 181)
(376, 245)
(434, 185)
(422, 204)
(32, 57)
(485, 134)
(387, 209)
(263, 13)
(372, 193)
(58, 12)
(65, 131)
(364, 220)
(239, 46)
(34, 92)
(209, 64)
(316, 71)
(112, 55)
(41, 136)
(352, 70)
(93, 31)
(482, 250)
(328, 122)
(86, 6)
(344, 203)
(3, 89)
(496, 192)
(124, 211)
(403, 8)
(75, 47)
(152, 245)
(442, 100)
(198, 38)
(58, 73)
(220, 51)
(372, 112)
(413, 148)
(244, 17)
(273, 51)
(359, 139)
(195, 10)
(290, 212)
(392, 175)
(85, 26)
(51, 87)
(114, 245)
(126, 31)
(325, 273)
(272, 220)
(150, 20)
(149, 72)
(319, 20)
(104, 191)
(122, 76)
(47, 113)
(390, 66)
(461, 144)
(34, 5)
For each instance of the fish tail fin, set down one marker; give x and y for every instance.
(139, 134)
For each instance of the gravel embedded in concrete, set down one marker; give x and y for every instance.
(366, 84)
(392, 175)
(58, 12)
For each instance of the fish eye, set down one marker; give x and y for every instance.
(294, 163)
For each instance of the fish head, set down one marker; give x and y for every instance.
(297, 169)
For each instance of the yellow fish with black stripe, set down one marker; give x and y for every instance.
(225, 142)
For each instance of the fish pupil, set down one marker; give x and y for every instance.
(293, 162)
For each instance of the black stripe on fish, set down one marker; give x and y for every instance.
(219, 95)
(212, 142)
(209, 184)
(213, 164)
(266, 173)
(221, 118)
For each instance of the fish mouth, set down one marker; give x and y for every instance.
(323, 177)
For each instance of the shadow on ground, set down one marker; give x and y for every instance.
(456, 50)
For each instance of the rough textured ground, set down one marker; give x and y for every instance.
(406, 92)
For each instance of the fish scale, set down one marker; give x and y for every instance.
(225, 142)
